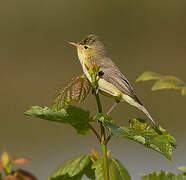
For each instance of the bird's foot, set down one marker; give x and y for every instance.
(113, 106)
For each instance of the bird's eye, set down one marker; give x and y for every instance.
(85, 47)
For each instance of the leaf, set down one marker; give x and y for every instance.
(116, 170)
(24, 175)
(168, 82)
(106, 120)
(76, 90)
(20, 161)
(74, 169)
(163, 82)
(11, 177)
(140, 132)
(182, 169)
(148, 76)
(76, 117)
(93, 71)
(163, 176)
(102, 117)
(5, 159)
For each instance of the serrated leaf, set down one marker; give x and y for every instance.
(75, 116)
(74, 169)
(163, 82)
(148, 76)
(163, 176)
(116, 170)
(76, 90)
(140, 132)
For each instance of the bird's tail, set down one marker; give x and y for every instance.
(133, 102)
(156, 126)
(142, 108)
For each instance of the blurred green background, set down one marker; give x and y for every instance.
(35, 60)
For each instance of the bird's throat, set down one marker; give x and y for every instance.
(85, 65)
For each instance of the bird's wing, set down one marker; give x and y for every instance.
(110, 73)
(115, 77)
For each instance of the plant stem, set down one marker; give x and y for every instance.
(95, 132)
(108, 139)
(103, 142)
(100, 110)
(105, 161)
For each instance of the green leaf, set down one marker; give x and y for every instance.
(6, 163)
(93, 71)
(182, 169)
(148, 76)
(102, 117)
(116, 170)
(163, 176)
(74, 169)
(168, 82)
(140, 132)
(106, 120)
(5, 159)
(76, 117)
(76, 90)
(163, 82)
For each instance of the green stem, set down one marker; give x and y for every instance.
(100, 110)
(103, 142)
(105, 161)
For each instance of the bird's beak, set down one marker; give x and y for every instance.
(73, 43)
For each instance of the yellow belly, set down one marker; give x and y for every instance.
(109, 89)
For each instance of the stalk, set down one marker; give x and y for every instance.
(103, 142)
(93, 71)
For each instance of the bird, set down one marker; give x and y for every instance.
(111, 81)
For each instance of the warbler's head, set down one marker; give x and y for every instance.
(89, 47)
